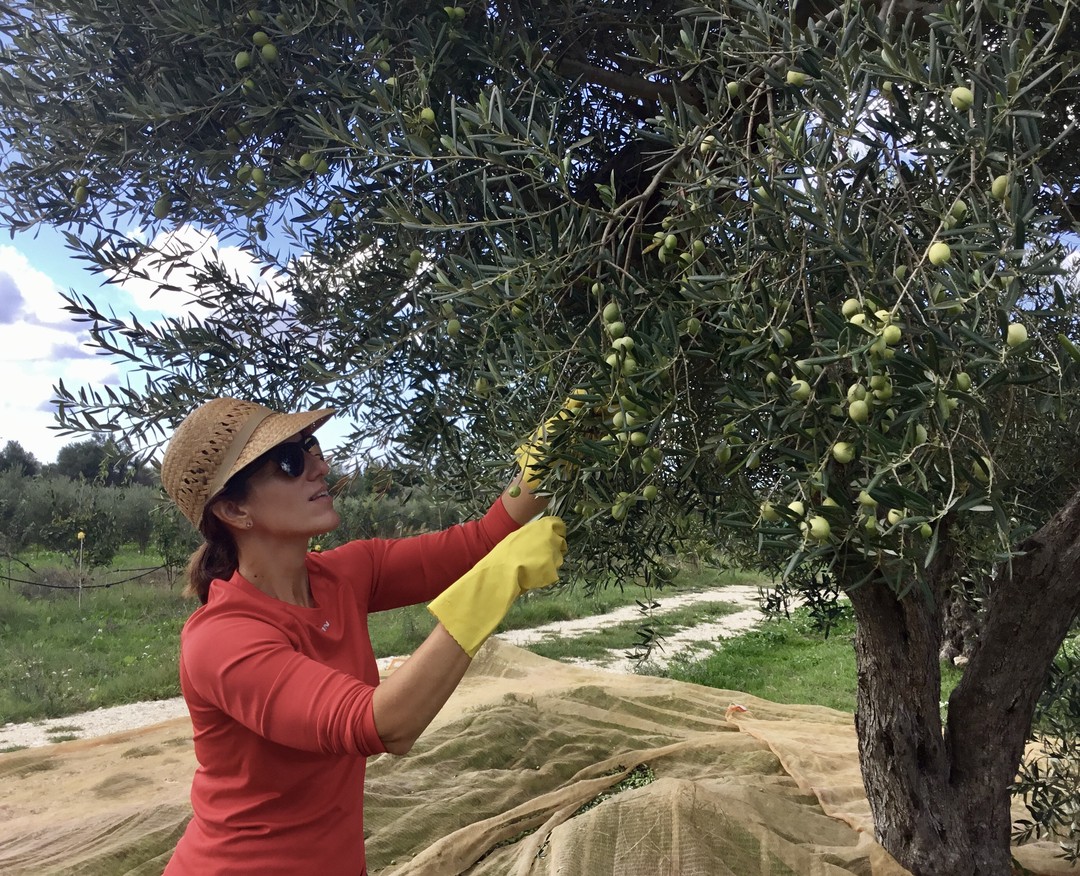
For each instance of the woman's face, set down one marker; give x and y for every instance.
(284, 506)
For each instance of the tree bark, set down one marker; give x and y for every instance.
(1030, 610)
(940, 801)
(959, 627)
(901, 749)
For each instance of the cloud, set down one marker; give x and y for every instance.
(34, 327)
(66, 350)
(22, 342)
(170, 289)
(37, 294)
(26, 412)
(41, 345)
(11, 300)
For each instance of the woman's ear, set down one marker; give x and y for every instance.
(231, 513)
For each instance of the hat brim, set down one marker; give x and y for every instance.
(274, 430)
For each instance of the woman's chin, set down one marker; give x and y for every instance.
(333, 521)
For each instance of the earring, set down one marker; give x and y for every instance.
(249, 524)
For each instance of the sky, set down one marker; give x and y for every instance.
(40, 343)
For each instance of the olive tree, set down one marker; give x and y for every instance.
(804, 265)
(14, 457)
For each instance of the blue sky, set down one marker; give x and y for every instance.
(40, 343)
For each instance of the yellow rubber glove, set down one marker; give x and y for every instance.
(472, 607)
(531, 453)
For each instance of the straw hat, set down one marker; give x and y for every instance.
(218, 439)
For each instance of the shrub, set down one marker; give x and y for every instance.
(66, 508)
(173, 537)
(134, 505)
(1050, 782)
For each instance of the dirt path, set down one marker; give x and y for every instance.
(693, 642)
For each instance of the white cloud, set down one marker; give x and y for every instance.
(28, 344)
(170, 291)
(25, 412)
(38, 296)
(39, 345)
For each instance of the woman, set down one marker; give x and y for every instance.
(276, 665)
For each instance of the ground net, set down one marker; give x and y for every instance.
(534, 767)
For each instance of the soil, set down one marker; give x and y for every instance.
(691, 643)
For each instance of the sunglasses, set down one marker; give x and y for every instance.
(290, 457)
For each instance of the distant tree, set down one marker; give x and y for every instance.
(383, 502)
(81, 460)
(15, 458)
(16, 527)
(64, 508)
(173, 537)
(99, 460)
(134, 506)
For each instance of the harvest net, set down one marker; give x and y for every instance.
(534, 767)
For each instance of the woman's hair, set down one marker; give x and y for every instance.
(217, 556)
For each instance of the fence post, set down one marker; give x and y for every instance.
(82, 537)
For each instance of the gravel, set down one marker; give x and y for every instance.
(87, 725)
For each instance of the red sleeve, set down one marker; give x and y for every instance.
(252, 672)
(407, 571)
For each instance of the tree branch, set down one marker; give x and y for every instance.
(1030, 611)
(573, 68)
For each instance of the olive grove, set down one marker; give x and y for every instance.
(808, 267)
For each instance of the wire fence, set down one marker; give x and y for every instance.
(84, 581)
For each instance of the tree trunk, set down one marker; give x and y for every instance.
(1030, 611)
(940, 801)
(905, 768)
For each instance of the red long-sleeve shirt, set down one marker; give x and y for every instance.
(280, 702)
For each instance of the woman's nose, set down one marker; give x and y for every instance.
(317, 464)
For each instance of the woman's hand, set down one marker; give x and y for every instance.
(520, 498)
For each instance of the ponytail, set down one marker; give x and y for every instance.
(214, 558)
(217, 556)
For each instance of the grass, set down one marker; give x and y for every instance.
(121, 644)
(787, 661)
(128, 557)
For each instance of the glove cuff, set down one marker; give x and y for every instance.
(469, 615)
